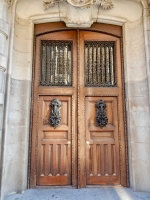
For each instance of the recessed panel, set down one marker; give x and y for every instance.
(92, 111)
(63, 112)
(102, 141)
(55, 135)
(101, 135)
(54, 141)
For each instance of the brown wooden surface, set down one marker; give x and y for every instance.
(95, 156)
(53, 26)
(54, 145)
(118, 123)
(102, 144)
(53, 158)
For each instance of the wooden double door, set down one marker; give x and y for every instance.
(78, 117)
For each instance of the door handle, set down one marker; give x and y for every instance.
(68, 142)
(87, 142)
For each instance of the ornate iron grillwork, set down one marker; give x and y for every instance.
(99, 64)
(56, 63)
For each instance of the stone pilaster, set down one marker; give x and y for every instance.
(3, 65)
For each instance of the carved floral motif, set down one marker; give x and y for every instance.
(105, 4)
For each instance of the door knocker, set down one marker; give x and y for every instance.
(55, 118)
(101, 117)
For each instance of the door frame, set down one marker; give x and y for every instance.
(45, 28)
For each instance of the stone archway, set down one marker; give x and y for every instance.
(25, 13)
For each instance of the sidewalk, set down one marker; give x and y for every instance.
(80, 194)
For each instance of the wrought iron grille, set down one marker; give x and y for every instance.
(99, 64)
(56, 63)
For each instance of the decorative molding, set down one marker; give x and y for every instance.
(75, 17)
(71, 22)
(104, 4)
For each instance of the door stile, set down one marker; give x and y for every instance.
(34, 119)
(81, 114)
(74, 116)
(121, 117)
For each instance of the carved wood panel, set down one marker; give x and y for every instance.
(54, 144)
(101, 138)
(102, 158)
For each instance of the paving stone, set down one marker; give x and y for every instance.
(80, 194)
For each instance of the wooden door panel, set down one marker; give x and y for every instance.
(54, 151)
(102, 158)
(54, 158)
(60, 156)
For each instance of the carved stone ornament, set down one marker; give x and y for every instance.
(101, 117)
(55, 118)
(8, 2)
(105, 4)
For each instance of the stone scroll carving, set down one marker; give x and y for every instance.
(101, 117)
(55, 118)
(105, 4)
(8, 2)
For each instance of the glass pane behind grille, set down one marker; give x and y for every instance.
(56, 63)
(99, 64)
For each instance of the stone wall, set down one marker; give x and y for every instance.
(137, 105)
(18, 111)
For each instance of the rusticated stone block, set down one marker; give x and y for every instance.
(139, 103)
(20, 87)
(140, 118)
(14, 152)
(18, 118)
(17, 134)
(16, 182)
(19, 103)
(140, 151)
(137, 88)
(140, 134)
(141, 180)
(21, 59)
